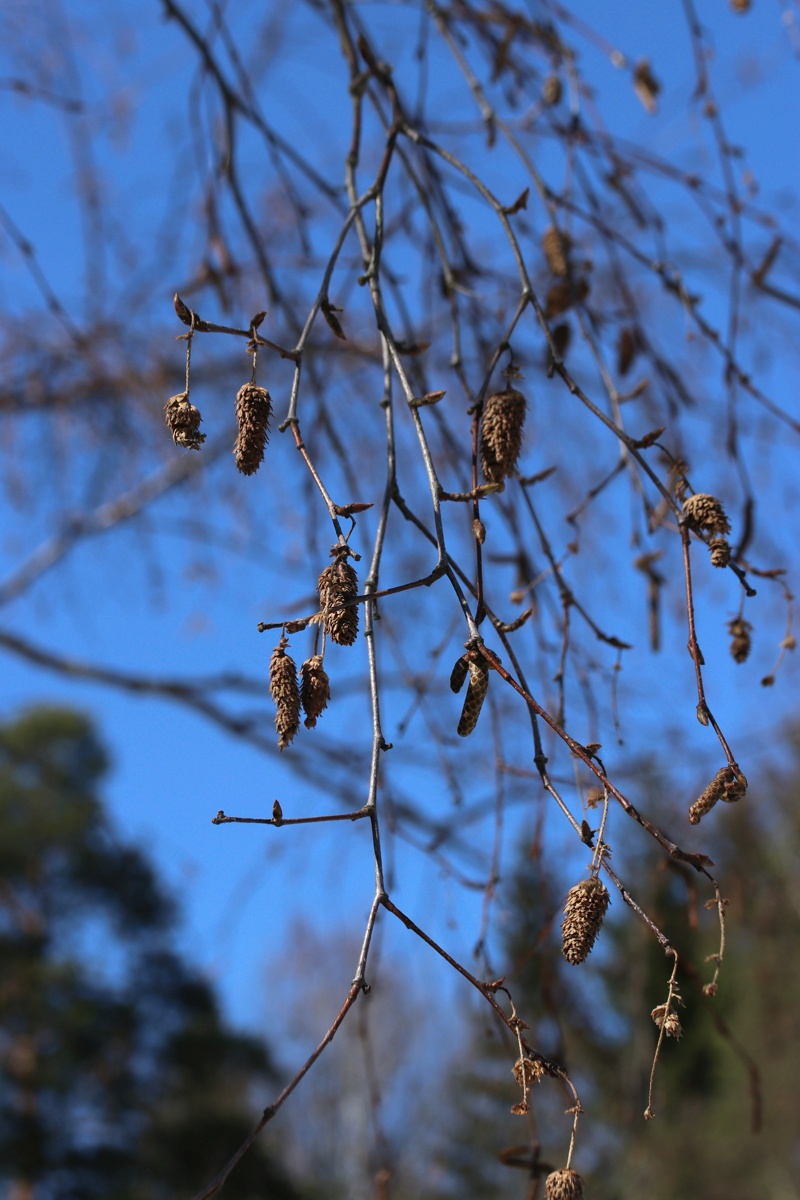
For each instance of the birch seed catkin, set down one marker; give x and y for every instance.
(338, 585)
(285, 693)
(584, 911)
(183, 421)
(315, 689)
(565, 1184)
(253, 409)
(501, 434)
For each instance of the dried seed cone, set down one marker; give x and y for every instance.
(501, 434)
(720, 552)
(725, 785)
(338, 584)
(739, 630)
(183, 421)
(583, 915)
(473, 701)
(315, 689)
(253, 408)
(563, 1185)
(706, 512)
(285, 693)
(556, 247)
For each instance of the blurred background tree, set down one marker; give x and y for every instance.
(118, 1075)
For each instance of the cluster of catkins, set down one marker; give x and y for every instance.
(705, 514)
(253, 410)
(311, 694)
(337, 587)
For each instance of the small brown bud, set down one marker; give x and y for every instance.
(285, 693)
(706, 513)
(476, 694)
(741, 641)
(556, 246)
(479, 530)
(315, 689)
(584, 911)
(183, 421)
(501, 434)
(253, 408)
(565, 1184)
(337, 585)
(277, 811)
(646, 85)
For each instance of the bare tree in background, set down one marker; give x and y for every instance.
(497, 381)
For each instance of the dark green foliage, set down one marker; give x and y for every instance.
(118, 1078)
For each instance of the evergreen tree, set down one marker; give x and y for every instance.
(118, 1076)
(725, 1124)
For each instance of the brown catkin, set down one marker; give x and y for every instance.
(741, 641)
(285, 693)
(253, 408)
(551, 91)
(565, 1184)
(556, 246)
(338, 584)
(627, 349)
(476, 694)
(183, 421)
(459, 673)
(726, 785)
(563, 295)
(584, 910)
(315, 689)
(720, 551)
(501, 434)
(706, 513)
